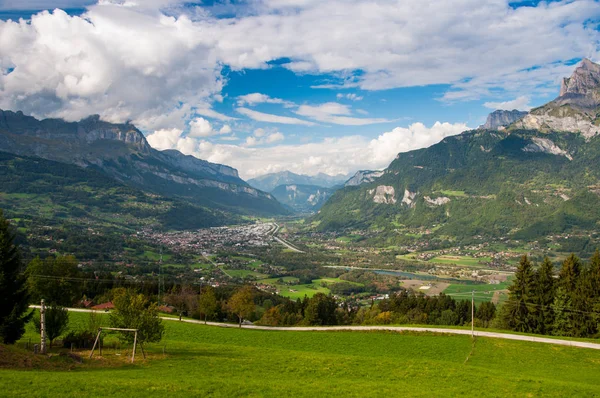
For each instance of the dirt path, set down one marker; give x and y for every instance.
(478, 333)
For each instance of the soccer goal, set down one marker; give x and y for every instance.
(119, 330)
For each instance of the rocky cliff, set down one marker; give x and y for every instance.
(501, 118)
(576, 109)
(363, 176)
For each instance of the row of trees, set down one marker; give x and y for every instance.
(567, 304)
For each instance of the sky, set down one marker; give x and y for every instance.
(302, 85)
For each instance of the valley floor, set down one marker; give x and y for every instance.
(204, 360)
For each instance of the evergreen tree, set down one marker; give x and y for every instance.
(520, 308)
(562, 313)
(569, 273)
(594, 274)
(544, 297)
(14, 296)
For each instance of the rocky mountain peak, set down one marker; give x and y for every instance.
(502, 118)
(576, 109)
(585, 81)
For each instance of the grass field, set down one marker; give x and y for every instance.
(213, 361)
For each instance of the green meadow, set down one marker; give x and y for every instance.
(214, 361)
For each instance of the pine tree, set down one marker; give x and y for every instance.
(544, 297)
(569, 273)
(594, 271)
(14, 296)
(562, 313)
(520, 308)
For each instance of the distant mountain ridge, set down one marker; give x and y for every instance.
(302, 198)
(122, 152)
(268, 182)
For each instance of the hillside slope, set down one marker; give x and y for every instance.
(42, 193)
(525, 183)
(517, 182)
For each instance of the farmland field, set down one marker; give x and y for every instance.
(203, 360)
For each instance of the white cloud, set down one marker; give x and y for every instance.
(260, 137)
(351, 97)
(226, 129)
(275, 137)
(333, 112)
(164, 139)
(201, 127)
(135, 62)
(258, 98)
(270, 118)
(405, 44)
(521, 103)
(330, 155)
(124, 63)
(211, 113)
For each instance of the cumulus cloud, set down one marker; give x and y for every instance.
(333, 112)
(124, 63)
(164, 139)
(261, 137)
(200, 127)
(226, 129)
(331, 155)
(521, 103)
(270, 118)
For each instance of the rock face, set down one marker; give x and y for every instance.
(363, 176)
(384, 194)
(584, 84)
(575, 109)
(502, 118)
(122, 152)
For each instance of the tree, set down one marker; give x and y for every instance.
(520, 308)
(242, 303)
(486, 313)
(207, 303)
(183, 300)
(133, 311)
(320, 310)
(544, 297)
(55, 279)
(563, 314)
(14, 296)
(569, 273)
(57, 322)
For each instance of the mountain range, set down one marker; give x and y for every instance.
(121, 152)
(269, 182)
(537, 177)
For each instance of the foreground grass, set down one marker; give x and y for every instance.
(215, 361)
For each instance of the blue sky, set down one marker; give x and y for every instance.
(304, 85)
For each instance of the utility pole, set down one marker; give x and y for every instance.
(43, 327)
(473, 314)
